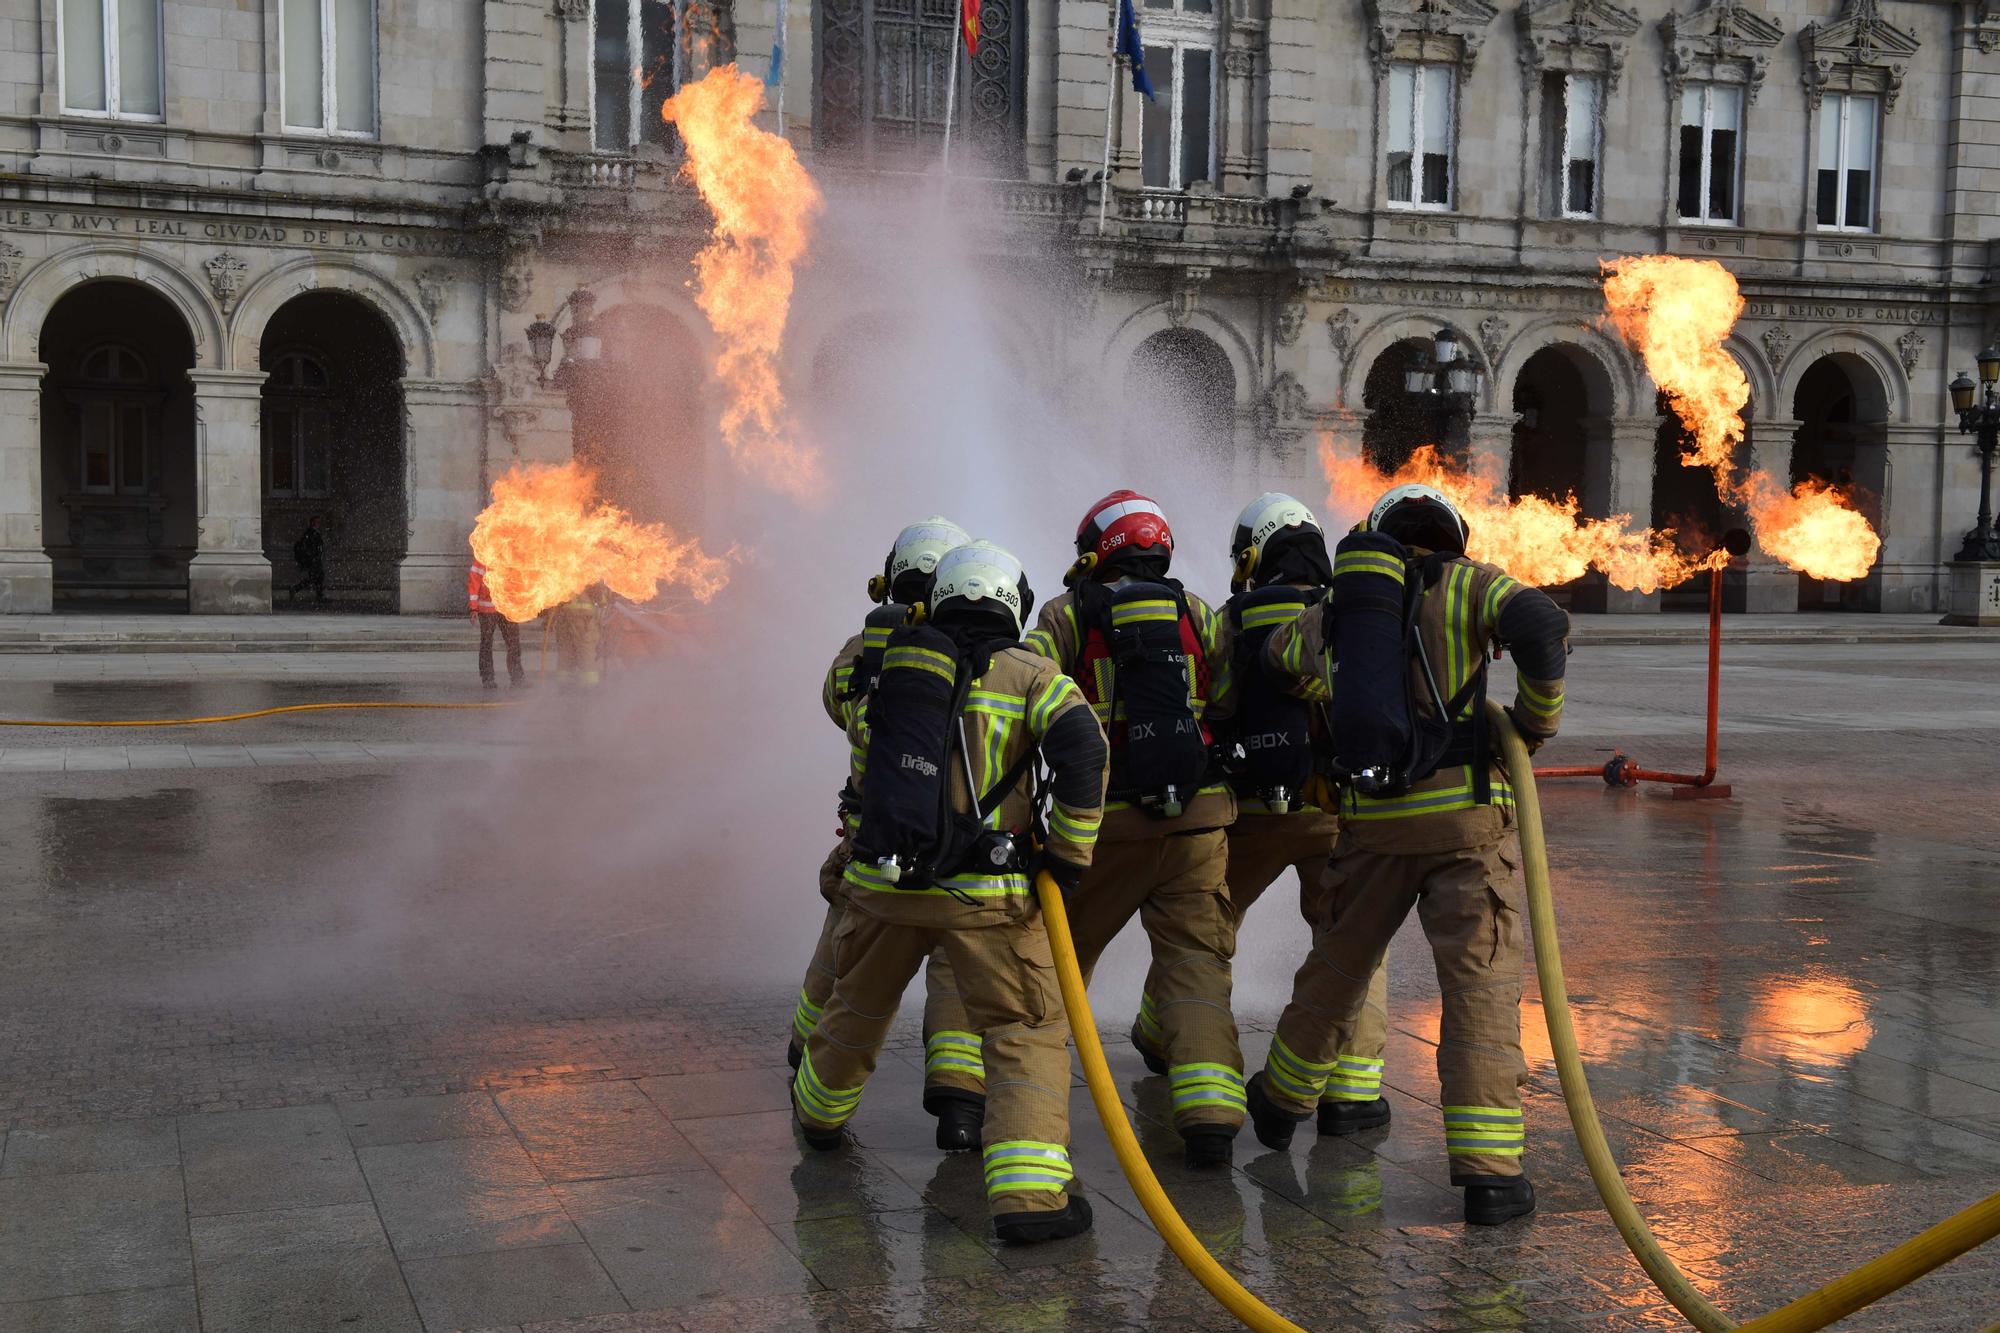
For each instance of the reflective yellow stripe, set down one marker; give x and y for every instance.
(1494, 596)
(1368, 562)
(1276, 613)
(1491, 1131)
(1148, 611)
(908, 658)
(1460, 796)
(1060, 691)
(865, 876)
(831, 1106)
(1019, 1165)
(1537, 702)
(992, 701)
(1079, 827)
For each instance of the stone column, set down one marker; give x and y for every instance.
(1239, 149)
(1767, 585)
(27, 582)
(229, 573)
(1618, 479)
(1490, 446)
(442, 425)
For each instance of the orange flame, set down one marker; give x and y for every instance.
(764, 203)
(1537, 540)
(1677, 313)
(547, 537)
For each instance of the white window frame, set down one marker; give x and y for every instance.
(1708, 87)
(306, 405)
(1561, 157)
(1416, 203)
(108, 10)
(329, 74)
(1846, 101)
(1177, 48)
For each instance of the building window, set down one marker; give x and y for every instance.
(632, 72)
(1711, 151)
(298, 428)
(118, 411)
(1847, 133)
(329, 65)
(1421, 133)
(1572, 127)
(111, 57)
(1177, 128)
(881, 69)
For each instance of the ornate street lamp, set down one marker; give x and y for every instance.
(581, 345)
(1978, 408)
(1441, 372)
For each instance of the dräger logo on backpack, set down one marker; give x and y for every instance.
(919, 763)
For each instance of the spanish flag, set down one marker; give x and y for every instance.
(971, 21)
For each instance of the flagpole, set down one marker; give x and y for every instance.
(778, 65)
(1110, 102)
(951, 80)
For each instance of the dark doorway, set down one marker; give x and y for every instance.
(333, 448)
(118, 457)
(1552, 402)
(636, 415)
(1686, 500)
(1181, 390)
(1400, 421)
(1842, 441)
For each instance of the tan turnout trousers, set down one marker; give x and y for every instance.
(1261, 848)
(1469, 901)
(1013, 999)
(1177, 886)
(952, 1062)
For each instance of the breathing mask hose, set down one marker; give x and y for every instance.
(1131, 1159)
(1837, 1299)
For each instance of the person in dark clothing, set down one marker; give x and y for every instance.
(309, 551)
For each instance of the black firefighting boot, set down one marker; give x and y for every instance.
(961, 1118)
(1034, 1228)
(1274, 1128)
(1491, 1200)
(1337, 1118)
(1207, 1145)
(817, 1138)
(1156, 1063)
(794, 1054)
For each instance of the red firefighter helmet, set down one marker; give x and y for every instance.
(1122, 521)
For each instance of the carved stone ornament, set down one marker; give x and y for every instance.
(1986, 18)
(1776, 339)
(432, 284)
(11, 263)
(1239, 62)
(1720, 36)
(517, 272)
(1581, 36)
(1492, 334)
(572, 10)
(516, 375)
(1858, 52)
(1186, 295)
(1285, 400)
(1291, 322)
(1911, 347)
(225, 278)
(1450, 31)
(1340, 326)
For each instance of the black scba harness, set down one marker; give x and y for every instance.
(909, 831)
(1384, 741)
(1160, 758)
(882, 621)
(1271, 754)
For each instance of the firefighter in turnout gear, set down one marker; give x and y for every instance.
(945, 744)
(954, 1077)
(1286, 818)
(1436, 835)
(1153, 660)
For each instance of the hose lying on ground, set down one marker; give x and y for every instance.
(1131, 1159)
(232, 717)
(1837, 1299)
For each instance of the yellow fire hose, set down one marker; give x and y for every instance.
(1815, 1310)
(232, 717)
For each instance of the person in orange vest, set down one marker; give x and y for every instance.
(479, 601)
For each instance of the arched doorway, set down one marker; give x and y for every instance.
(333, 446)
(1842, 440)
(1686, 499)
(1400, 421)
(636, 414)
(118, 457)
(1180, 391)
(1562, 401)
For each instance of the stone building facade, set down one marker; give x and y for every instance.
(265, 259)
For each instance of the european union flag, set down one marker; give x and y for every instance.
(775, 75)
(1133, 49)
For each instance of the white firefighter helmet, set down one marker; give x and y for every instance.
(982, 573)
(918, 549)
(1262, 519)
(1419, 516)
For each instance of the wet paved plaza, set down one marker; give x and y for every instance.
(475, 1020)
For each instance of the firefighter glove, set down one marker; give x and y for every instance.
(1534, 740)
(1066, 874)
